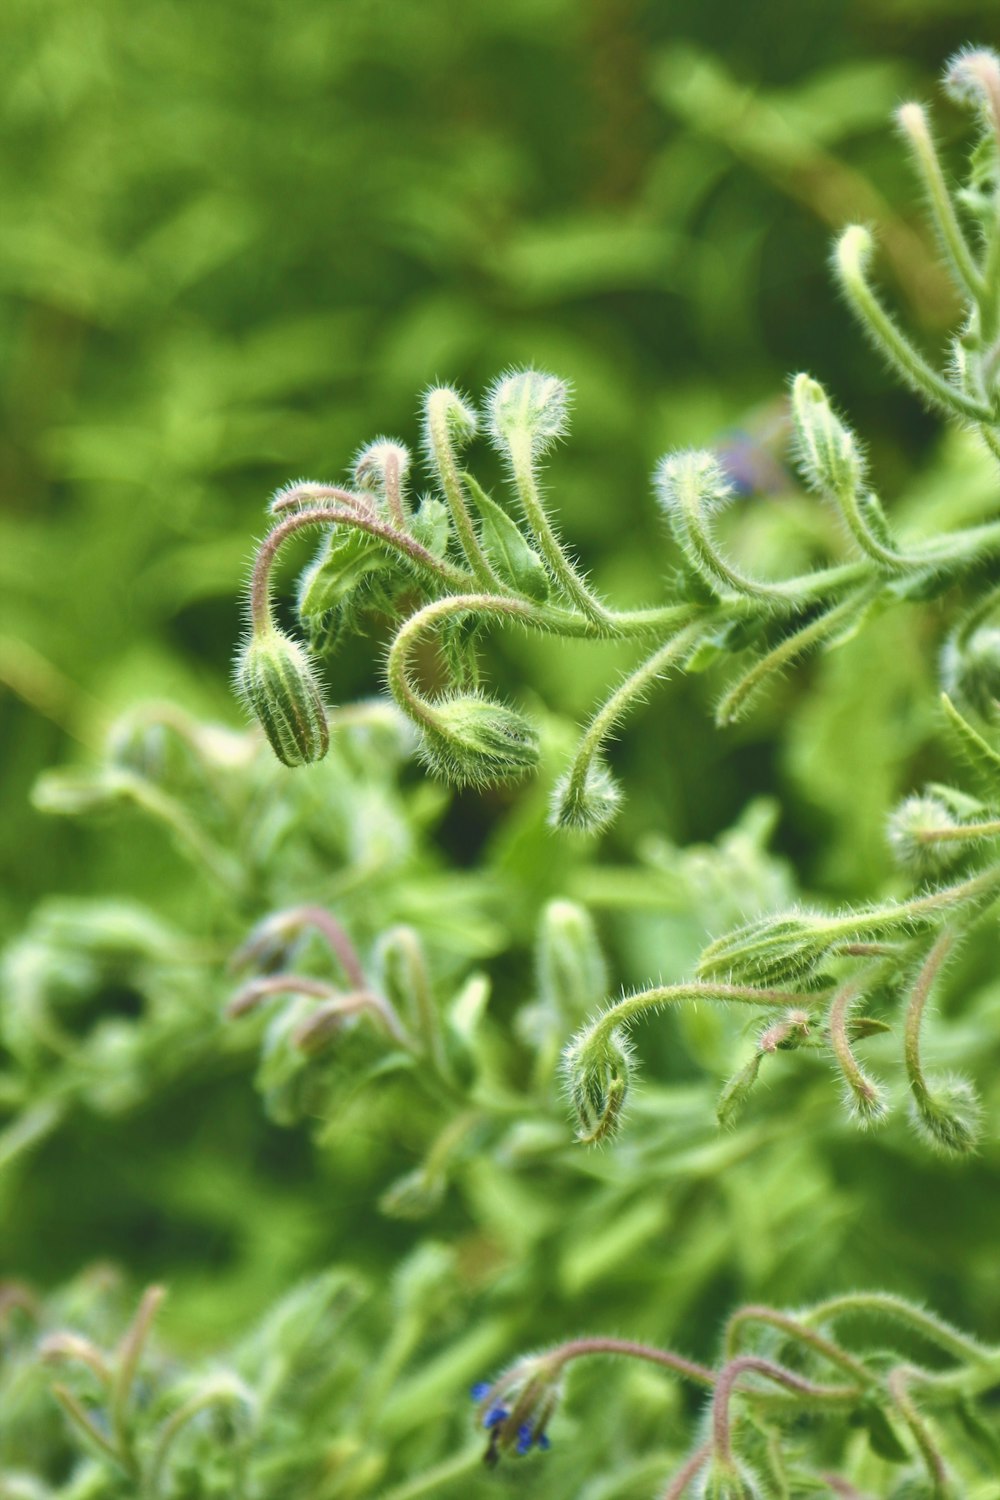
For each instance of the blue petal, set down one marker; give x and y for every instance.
(524, 1437)
(481, 1391)
(544, 1442)
(495, 1416)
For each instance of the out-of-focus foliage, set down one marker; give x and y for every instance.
(236, 239)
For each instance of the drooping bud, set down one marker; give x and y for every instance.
(448, 419)
(474, 741)
(914, 831)
(784, 949)
(970, 670)
(375, 459)
(597, 1066)
(736, 1094)
(529, 406)
(275, 679)
(587, 804)
(948, 1114)
(690, 485)
(972, 78)
(829, 456)
(516, 1409)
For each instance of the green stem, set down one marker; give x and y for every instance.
(887, 1305)
(621, 700)
(632, 1007)
(913, 120)
(852, 253)
(565, 574)
(929, 971)
(929, 1452)
(443, 455)
(800, 1331)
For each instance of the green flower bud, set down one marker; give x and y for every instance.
(375, 458)
(448, 419)
(275, 679)
(970, 670)
(911, 831)
(587, 806)
(776, 950)
(528, 404)
(736, 1094)
(948, 1115)
(597, 1066)
(829, 457)
(972, 78)
(474, 741)
(690, 485)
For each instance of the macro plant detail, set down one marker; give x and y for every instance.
(315, 1054)
(458, 562)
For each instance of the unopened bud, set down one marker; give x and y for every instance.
(529, 405)
(374, 461)
(275, 679)
(777, 950)
(948, 1114)
(691, 483)
(972, 78)
(914, 831)
(448, 418)
(597, 1066)
(736, 1094)
(586, 805)
(476, 741)
(829, 456)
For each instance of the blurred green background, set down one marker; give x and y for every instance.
(239, 238)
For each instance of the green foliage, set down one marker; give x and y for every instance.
(298, 1037)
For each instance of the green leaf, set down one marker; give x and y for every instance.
(514, 560)
(981, 757)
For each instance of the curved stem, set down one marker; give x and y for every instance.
(260, 582)
(929, 1452)
(581, 1348)
(888, 1305)
(865, 1093)
(632, 1007)
(401, 686)
(795, 1329)
(443, 456)
(621, 700)
(692, 1465)
(565, 574)
(752, 1364)
(912, 368)
(913, 120)
(929, 971)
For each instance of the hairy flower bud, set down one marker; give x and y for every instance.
(474, 741)
(692, 483)
(375, 459)
(972, 78)
(948, 1114)
(586, 805)
(783, 949)
(530, 405)
(911, 835)
(275, 679)
(970, 670)
(597, 1066)
(448, 419)
(829, 457)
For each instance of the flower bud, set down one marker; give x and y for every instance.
(948, 1114)
(736, 1094)
(972, 78)
(911, 835)
(529, 405)
(829, 457)
(775, 950)
(597, 1066)
(374, 460)
(587, 806)
(474, 741)
(275, 679)
(692, 483)
(448, 419)
(970, 670)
